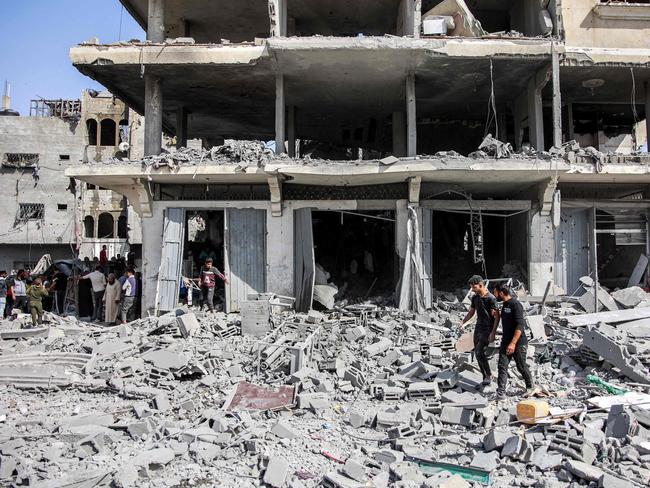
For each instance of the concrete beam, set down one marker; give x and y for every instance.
(156, 21)
(415, 183)
(153, 115)
(280, 115)
(275, 187)
(138, 195)
(557, 97)
(411, 117)
(181, 127)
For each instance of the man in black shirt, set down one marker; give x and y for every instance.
(484, 305)
(514, 344)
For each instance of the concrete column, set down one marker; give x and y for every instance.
(291, 130)
(278, 17)
(571, 128)
(153, 115)
(411, 120)
(280, 242)
(541, 251)
(399, 134)
(280, 115)
(647, 114)
(156, 21)
(152, 228)
(535, 115)
(181, 127)
(557, 98)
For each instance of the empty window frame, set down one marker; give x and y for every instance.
(30, 211)
(108, 133)
(20, 160)
(91, 127)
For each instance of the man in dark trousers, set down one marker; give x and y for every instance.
(208, 282)
(484, 305)
(514, 344)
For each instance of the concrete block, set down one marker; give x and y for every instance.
(457, 416)
(545, 460)
(357, 419)
(574, 447)
(282, 429)
(630, 297)
(445, 480)
(276, 472)
(154, 457)
(388, 456)
(517, 448)
(583, 470)
(355, 470)
(139, 429)
(621, 422)
(423, 390)
(413, 370)
(188, 324)
(495, 439)
(382, 345)
(161, 401)
(315, 317)
(353, 334)
(609, 481)
(486, 460)
(355, 377)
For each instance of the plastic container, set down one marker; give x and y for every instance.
(530, 411)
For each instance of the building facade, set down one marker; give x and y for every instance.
(339, 86)
(48, 212)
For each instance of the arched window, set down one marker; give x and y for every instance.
(91, 127)
(108, 128)
(89, 226)
(105, 226)
(122, 227)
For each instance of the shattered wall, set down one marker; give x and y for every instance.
(59, 145)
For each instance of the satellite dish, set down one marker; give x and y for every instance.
(124, 146)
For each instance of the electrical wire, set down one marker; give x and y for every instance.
(633, 97)
(492, 109)
(119, 36)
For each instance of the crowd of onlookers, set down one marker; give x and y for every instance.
(113, 290)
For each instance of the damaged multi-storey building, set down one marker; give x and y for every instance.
(383, 181)
(47, 212)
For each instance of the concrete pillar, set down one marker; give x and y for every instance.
(399, 134)
(535, 115)
(152, 228)
(156, 21)
(557, 98)
(571, 128)
(541, 251)
(153, 115)
(181, 127)
(291, 130)
(411, 120)
(280, 115)
(647, 114)
(278, 17)
(280, 243)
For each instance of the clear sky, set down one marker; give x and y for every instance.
(35, 39)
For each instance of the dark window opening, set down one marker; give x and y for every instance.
(105, 226)
(30, 211)
(20, 160)
(89, 226)
(90, 186)
(91, 128)
(122, 227)
(62, 206)
(64, 157)
(108, 128)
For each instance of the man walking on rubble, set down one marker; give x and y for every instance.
(36, 292)
(484, 305)
(208, 283)
(514, 343)
(129, 289)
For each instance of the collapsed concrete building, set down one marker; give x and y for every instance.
(47, 213)
(371, 105)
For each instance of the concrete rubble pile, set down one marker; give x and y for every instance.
(359, 396)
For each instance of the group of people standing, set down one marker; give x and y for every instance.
(113, 298)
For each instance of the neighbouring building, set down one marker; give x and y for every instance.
(341, 85)
(48, 212)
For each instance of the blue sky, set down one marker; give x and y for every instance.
(35, 39)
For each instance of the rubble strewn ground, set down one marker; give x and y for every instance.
(362, 396)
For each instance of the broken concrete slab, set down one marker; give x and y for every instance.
(276, 472)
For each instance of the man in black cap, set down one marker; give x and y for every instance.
(514, 344)
(484, 305)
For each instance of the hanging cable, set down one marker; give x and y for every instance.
(119, 36)
(492, 108)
